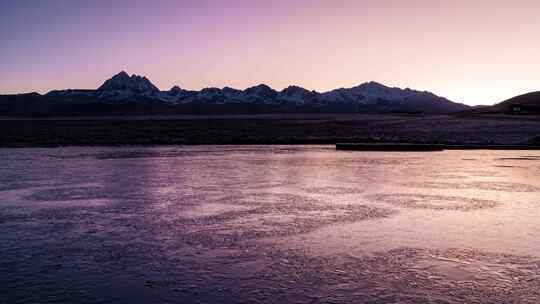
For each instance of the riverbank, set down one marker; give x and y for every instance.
(401, 147)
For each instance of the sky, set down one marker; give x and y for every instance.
(475, 52)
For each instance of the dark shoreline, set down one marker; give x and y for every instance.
(406, 147)
(308, 129)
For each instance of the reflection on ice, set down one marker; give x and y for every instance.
(435, 202)
(258, 224)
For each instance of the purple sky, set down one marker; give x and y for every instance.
(477, 52)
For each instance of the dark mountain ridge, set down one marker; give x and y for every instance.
(133, 95)
(523, 104)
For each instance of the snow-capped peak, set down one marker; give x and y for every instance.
(133, 84)
(369, 96)
(176, 90)
(296, 94)
(260, 91)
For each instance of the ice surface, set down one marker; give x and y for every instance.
(259, 224)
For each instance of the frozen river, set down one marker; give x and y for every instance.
(263, 224)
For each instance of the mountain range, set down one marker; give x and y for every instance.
(125, 94)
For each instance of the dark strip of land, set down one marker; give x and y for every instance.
(271, 129)
(397, 147)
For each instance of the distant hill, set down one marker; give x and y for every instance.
(136, 95)
(527, 103)
(523, 104)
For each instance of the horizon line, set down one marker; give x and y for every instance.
(260, 84)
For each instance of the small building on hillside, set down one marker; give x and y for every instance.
(516, 108)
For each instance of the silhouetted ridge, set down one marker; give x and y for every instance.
(522, 104)
(123, 82)
(127, 94)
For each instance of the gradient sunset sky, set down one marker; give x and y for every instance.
(471, 51)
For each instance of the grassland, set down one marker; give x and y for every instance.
(269, 129)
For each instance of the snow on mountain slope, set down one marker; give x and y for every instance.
(134, 83)
(297, 95)
(126, 88)
(370, 92)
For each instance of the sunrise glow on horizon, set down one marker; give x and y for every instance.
(474, 52)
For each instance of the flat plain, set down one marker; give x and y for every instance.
(270, 129)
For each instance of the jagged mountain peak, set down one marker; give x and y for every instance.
(134, 84)
(367, 97)
(261, 87)
(229, 90)
(211, 89)
(294, 88)
(261, 90)
(177, 92)
(122, 74)
(297, 94)
(176, 89)
(297, 91)
(374, 84)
